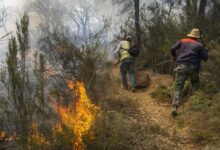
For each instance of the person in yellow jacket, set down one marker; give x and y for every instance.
(127, 63)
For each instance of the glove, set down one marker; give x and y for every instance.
(207, 49)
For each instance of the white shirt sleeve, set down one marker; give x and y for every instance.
(118, 48)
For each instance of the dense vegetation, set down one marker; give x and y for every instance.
(39, 92)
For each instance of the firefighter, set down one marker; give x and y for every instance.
(190, 54)
(127, 63)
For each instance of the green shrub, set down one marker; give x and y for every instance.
(199, 101)
(163, 94)
(203, 117)
(200, 136)
(112, 131)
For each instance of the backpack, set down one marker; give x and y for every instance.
(134, 51)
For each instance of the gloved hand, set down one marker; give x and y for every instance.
(174, 59)
(117, 62)
(207, 49)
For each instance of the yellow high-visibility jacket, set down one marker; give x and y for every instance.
(123, 50)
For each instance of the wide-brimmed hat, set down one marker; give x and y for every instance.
(195, 33)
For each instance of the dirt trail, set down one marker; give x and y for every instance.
(157, 112)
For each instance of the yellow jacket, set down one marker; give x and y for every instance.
(123, 50)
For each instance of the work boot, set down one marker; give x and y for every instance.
(174, 111)
(133, 90)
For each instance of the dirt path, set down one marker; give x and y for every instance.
(159, 113)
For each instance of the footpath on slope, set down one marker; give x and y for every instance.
(159, 114)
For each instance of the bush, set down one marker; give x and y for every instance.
(163, 94)
(203, 117)
(112, 131)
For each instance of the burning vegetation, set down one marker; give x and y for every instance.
(78, 118)
(77, 46)
(73, 127)
(5, 138)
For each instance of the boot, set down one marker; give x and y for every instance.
(133, 90)
(174, 111)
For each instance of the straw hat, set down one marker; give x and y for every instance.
(195, 33)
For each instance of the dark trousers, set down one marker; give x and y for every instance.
(127, 66)
(182, 72)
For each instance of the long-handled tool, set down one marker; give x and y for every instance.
(5, 35)
(202, 40)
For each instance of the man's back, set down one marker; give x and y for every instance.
(123, 50)
(188, 58)
(190, 52)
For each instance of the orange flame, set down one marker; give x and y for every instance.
(5, 137)
(2, 134)
(80, 120)
(36, 137)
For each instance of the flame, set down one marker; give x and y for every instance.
(36, 137)
(80, 118)
(5, 137)
(2, 134)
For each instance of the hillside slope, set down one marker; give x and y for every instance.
(154, 114)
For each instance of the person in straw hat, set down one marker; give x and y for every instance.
(187, 54)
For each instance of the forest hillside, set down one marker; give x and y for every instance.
(63, 67)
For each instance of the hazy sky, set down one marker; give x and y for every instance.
(14, 3)
(14, 6)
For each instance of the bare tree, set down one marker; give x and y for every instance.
(4, 13)
(81, 17)
(75, 43)
(134, 7)
(78, 19)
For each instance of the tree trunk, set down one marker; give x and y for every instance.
(137, 22)
(201, 11)
(191, 13)
(188, 7)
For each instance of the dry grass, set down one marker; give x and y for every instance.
(163, 94)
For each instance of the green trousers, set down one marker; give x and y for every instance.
(182, 73)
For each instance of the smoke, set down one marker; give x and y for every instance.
(99, 8)
(14, 3)
(12, 10)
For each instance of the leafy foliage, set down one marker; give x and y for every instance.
(82, 55)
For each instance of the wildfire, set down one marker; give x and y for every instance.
(2, 135)
(79, 117)
(36, 137)
(6, 138)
